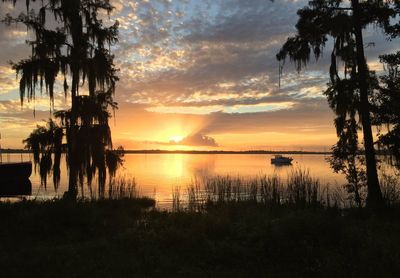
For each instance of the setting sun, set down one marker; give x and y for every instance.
(176, 138)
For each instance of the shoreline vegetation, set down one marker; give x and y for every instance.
(217, 227)
(298, 190)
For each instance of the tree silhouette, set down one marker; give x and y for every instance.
(349, 92)
(76, 45)
(386, 109)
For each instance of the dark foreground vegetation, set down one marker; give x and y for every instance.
(130, 238)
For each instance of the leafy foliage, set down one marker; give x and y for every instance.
(387, 105)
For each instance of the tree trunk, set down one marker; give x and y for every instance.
(72, 161)
(374, 198)
(78, 53)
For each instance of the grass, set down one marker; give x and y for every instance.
(300, 190)
(219, 227)
(122, 188)
(128, 237)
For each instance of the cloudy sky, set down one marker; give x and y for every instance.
(197, 75)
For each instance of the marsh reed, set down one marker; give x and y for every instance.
(299, 190)
(123, 188)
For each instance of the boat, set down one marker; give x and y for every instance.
(281, 160)
(15, 171)
(15, 188)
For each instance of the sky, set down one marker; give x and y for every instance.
(197, 75)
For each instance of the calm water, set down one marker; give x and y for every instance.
(157, 174)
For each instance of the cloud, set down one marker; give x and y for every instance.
(197, 140)
(248, 22)
(205, 68)
(219, 54)
(194, 140)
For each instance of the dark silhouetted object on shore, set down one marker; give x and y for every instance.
(348, 94)
(386, 108)
(13, 188)
(78, 52)
(15, 171)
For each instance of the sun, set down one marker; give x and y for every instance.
(176, 138)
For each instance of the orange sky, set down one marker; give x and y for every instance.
(197, 75)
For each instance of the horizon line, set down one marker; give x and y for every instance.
(160, 151)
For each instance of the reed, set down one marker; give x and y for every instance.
(302, 189)
(176, 199)
(390, 186)
(122, 187)
(193, 196)
(299, 191)
(271, 190)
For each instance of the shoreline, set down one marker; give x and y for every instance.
(156, 151)
(20, 151)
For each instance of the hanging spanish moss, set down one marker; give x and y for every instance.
(43, 142)
(78, 51)
(349, 93)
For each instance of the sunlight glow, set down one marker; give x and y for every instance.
(176, 138)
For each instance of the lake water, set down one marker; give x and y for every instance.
(156, 175)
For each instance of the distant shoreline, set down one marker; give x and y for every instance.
(377, 152)
(219, 152)
(20, 151)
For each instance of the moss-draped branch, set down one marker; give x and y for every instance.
(75, 51)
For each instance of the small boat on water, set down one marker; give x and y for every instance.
(15, 171)
(14, 188)
(281, 160)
